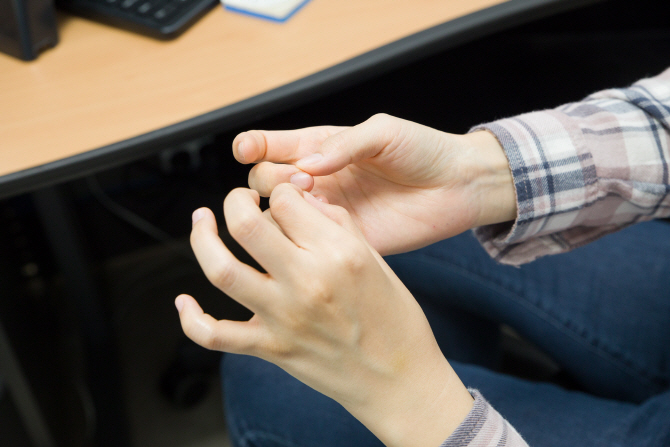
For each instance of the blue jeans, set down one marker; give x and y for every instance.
(602, 312)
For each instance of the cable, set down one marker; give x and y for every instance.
(135, 220)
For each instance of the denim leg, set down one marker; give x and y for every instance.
(462, 335)
(266, 407)
(601, 311)
(549, 416)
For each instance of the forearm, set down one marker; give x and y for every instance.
(447, 416)
(490, 182)
(584, 170)
(419, 409)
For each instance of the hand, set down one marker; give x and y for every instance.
(405, 185)
(329, 311)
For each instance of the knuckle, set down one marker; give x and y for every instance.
(298, 325)
(276, 350)
(236, 197)
(281, 203)
(340, 213)
(262, 177)
(380, 118)
(243, 226)
(223, 277)
(196, 233)
(235, 193)
(323, 133)
(261, 143)
(199, 334)
(255, 178)
(209, 341)
(217, 342)
(317, 293)
(283, 189)
(349, 257)
(387, 126)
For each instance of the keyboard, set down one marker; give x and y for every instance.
(163, 19)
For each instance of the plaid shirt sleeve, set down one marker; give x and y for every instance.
(484, 427)
(584, 170)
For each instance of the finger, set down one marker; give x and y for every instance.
(304, 224)
(220, 335)
(352, 145)
(342, 217)
(335, 213)
(265, 176)
(234, 278)
(256, 234)
(284, 146)
(268, 215)
(320, 198)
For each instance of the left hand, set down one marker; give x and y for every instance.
(329, 311)
(405, 185)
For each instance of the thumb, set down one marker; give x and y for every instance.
(352, 145)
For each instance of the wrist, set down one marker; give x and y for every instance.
(418, 411)
(490, 179)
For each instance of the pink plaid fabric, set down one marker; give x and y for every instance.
(484, 427)
(584, 170)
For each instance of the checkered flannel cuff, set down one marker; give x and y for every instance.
(554, 176)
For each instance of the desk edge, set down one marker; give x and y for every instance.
(378, 61)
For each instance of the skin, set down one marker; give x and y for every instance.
(404, 184)
(329, 310)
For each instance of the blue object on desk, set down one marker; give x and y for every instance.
(267, 17)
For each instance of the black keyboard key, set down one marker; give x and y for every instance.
(158, 18)
(127, 4)
(165, 12)
(145, 7)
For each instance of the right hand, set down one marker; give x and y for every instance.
(404, 184)
(329, 311)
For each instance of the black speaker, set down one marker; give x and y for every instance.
(26, 27)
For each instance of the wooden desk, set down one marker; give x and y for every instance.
(105, 96)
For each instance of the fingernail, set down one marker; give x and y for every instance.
(302, 180)
(197, 215)
(310, 160)
(179, 304)
(321, 198)
(240, 153)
